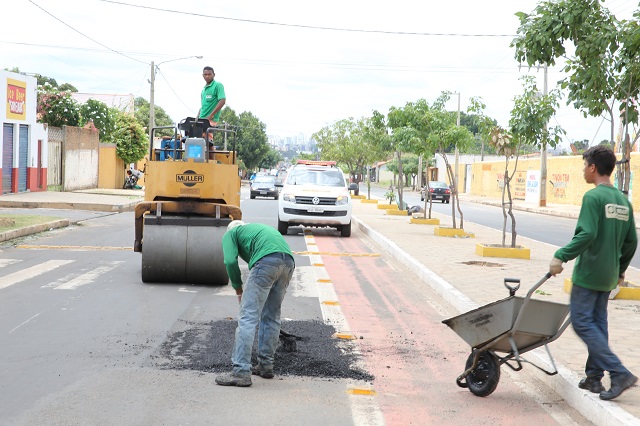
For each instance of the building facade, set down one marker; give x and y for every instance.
(23, 142)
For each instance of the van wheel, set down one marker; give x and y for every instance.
(283, 227)
(345, 230)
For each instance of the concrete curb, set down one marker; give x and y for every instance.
(600, 412)
(33, 229)
(115, 208)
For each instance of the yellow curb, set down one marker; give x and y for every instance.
(318, 264)
(364, 200)
(508, 252)
(626, 293)
(324, 280)
(357, 197)
(393, 212)
(388, 206)
(451, 232)
(424, 221)
(331, 303)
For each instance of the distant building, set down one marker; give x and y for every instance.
(23, 142)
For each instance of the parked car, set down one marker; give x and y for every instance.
(438, 190)
(264, 186)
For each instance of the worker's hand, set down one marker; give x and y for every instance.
(555, 267)
(239, 294)
(621, 279)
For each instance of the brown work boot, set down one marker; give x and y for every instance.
(264, 372)
(591, 384)
(231, 379)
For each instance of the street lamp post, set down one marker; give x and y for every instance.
(152, 80)
(457, 153)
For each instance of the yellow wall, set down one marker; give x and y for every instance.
(111, 169)
(565, 181)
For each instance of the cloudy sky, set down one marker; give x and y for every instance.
(296, 65)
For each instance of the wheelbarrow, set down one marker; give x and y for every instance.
(509, 327)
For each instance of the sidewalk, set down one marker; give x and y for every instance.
(464, 279)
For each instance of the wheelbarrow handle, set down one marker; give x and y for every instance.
(512, 290)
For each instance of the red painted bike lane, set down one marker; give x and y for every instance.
(413, 356)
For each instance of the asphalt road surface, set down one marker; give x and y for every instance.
(84, 341)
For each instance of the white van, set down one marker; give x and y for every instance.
(315, 193)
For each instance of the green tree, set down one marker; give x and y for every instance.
(102, 117)
(354, 144)
(271, 160)
(131, 140)
(252, 141)
(57, 108)
(604, 68)
(142, 109)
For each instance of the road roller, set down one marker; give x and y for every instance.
(192, 192)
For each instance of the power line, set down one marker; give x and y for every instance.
(310, 27)
(83, 34)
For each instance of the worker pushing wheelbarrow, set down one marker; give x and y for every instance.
(510, 326)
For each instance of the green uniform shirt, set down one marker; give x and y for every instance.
(210, 96)
(251, 242)
(604, 241)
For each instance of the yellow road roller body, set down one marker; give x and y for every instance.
(192, 192)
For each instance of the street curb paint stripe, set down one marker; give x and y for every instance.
(88, 248)
(361, 391)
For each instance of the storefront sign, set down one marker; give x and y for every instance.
(16, 99)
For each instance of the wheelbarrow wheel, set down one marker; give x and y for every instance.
(483, 379)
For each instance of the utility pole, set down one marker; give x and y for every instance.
(152, 115)
(457, 153)
(543, 154)
(152, 80)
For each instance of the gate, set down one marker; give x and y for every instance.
(7, 157)
(23, 159)
(54, 170)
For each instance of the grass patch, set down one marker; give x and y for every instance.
(9, 222)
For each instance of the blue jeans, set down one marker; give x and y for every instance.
(261, 301)
(589, 319)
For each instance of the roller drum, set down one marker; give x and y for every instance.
(184, 250)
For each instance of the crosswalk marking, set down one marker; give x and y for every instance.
(31, 272)
(7, 262)
(88, 277)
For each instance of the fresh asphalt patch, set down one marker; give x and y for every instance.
(207, 347)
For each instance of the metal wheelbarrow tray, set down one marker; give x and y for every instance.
(510, 326)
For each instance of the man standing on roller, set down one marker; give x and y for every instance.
(212, 97)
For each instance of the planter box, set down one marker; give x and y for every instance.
(451, 232)
(497, 250)
(388, 206)
(394, 212)
(423, 221)
(364, 200)
(632, 292)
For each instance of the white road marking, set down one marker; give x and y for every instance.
(7, 262)
(88, 277)
(20, 325)
(31, 272)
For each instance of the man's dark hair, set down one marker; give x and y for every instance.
(603, 158)
(208, 69)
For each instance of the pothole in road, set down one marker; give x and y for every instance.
(481, 263)
(207, 347)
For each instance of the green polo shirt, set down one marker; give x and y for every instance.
(604, 241)
(210, 96)
(251, 242)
